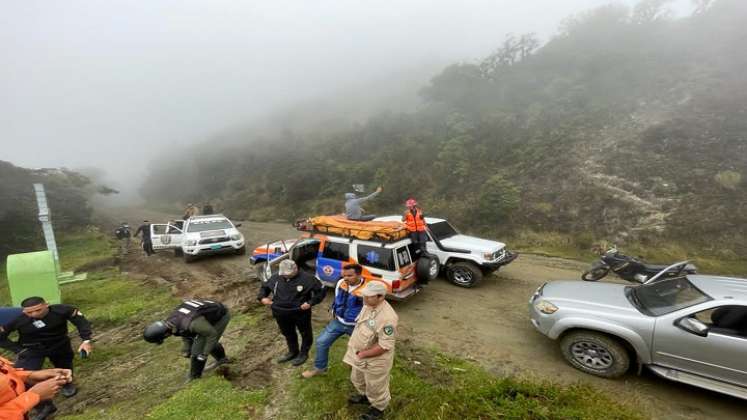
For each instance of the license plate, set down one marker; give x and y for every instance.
(214, 247)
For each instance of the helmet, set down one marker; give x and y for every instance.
(411, 202)
(156, 332)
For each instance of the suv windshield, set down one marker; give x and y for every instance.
(665, 296)
(202, 226)
(442, 230)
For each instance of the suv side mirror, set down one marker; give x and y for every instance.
(693, 326)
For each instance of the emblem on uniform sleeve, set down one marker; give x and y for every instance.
(328, 270)
(299, 288)
(388, 330)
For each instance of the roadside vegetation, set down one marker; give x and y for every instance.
(127, 378)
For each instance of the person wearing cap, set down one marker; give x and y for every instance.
(42, 334)
(370, 351)
(291, 294)
(353, 210)
(415, 222)
(345, 309)
(16, 400)
(147, 243)
(200, 323)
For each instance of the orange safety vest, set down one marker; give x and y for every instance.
(15, 401)
(414, 223)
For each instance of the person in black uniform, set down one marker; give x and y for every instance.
(200, 323)
(293, 295)
(42, 334)
(147, 244)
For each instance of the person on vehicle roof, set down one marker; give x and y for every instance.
(200, 323)
(293, 293)
(345, 309)
(353, 210)
(415, 222)
(147, 243)
(16, 400)
(42, 334)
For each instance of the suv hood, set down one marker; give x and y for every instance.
(582, 294)
(473, 244)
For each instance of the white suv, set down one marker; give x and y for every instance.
(199, 235)
(463, 259)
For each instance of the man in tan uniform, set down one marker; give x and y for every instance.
(371, 350)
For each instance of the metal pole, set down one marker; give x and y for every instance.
(45, 217)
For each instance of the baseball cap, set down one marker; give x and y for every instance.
(374, 288)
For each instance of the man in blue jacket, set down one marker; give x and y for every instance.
(345, 309)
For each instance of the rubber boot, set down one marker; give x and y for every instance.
(196, 367)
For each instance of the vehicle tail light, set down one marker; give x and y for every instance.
(395, 285)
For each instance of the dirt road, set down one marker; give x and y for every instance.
(488, 324)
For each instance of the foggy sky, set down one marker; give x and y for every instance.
(116, 83)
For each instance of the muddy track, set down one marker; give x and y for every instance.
(488, 324)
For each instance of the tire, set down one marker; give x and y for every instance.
(596, 272)
(464, 274)
(427, 269)
(595, 353)
(178, 252)
(241, 251)
(189, 258)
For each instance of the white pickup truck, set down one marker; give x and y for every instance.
(463, 259)
(199, 235)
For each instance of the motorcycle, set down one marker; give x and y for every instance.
(630, 268)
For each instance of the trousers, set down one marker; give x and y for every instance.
(289, 322)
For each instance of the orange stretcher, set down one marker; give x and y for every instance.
(340, 225)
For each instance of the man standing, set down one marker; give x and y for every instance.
(293, 295)
(371, 351)
(345, 309)
(353, 210)
(415, 222)
(123, 235)
(200, 323)
(147, 244)
(15, 400)
(207, 208)
(42, 334)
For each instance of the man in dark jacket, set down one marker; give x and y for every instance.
(293, 295)
(147, 244)
(200, 323)
(345, 309)
(42, 334)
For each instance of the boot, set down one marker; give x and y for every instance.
(300, 359)
(287, 358)
(68, 390)
(358, 399)
(219, 354)
(372, 414)
(43, 411)
(196, 367)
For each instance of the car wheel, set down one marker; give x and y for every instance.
(464, 274)
(189, 258)
(241, 251)
(178, 252)
(595, 353)
(427, 268)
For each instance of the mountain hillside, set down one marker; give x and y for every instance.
(628, 126)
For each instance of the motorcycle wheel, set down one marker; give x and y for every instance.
(595, 273)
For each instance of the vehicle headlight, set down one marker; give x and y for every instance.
(545, 307)
(488, 256)
(191, 242)
(236, 237)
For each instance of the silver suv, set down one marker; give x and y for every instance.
(687, 328)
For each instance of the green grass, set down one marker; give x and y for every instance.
(85, 247)
(442, 387)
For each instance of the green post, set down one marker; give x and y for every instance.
(33, 274)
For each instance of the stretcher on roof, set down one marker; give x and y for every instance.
(340, 225)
